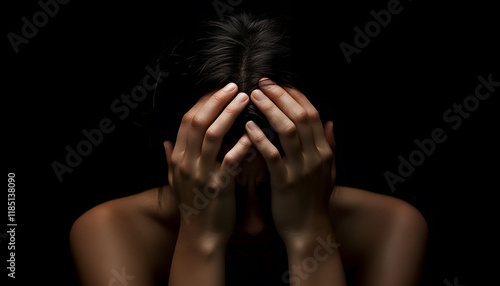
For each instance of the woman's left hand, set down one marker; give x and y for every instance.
(302, 181)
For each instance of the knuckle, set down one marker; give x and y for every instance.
(175, 160)
(230, 158)
(187, 118)
(185, 171)
(315, 162)
(217, 97)
(328, 157)
(300, 116)
(247, 143)
(260, 138)
(314, 115)
(274, 156)
(212, 135)
(199, 180)
(268, 107)
(281, 93)
(212, 189)
(289, 130)
(231, 110)
(329, 154)
(197, 122)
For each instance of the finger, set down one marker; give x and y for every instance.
(182, 134)
(331, 141)
(266, 148)
(232, 159)
(293, 110)
(205, 116)
(286, 128)
(313, 115)
(330, 138)
(283, 100)
(216, 132)
(230, 166)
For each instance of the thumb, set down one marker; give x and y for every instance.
(169, 148)
(331, 141)
(330, 138)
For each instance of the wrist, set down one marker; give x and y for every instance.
(304, 237)
(318, 246)
(315, 260)
(312, 246)
(203, 255)
(204, 245)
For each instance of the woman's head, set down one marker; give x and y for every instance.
(242, 49)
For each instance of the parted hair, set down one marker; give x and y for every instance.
(242, 49)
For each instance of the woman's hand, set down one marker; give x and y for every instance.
(302, 181)
(205, 187)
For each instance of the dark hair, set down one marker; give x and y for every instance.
(242, 49)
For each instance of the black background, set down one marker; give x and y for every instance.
(393, 92)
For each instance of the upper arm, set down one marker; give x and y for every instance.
(105, 252)
(399, 257)
(388, 235)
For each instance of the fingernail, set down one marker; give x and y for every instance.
(258, 95)
(230, 86)
(241, 97)
(266, 83)
(251, 125)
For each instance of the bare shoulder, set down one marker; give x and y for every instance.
(125, 237)
(353, 200)
(387, 235)
(374, 211)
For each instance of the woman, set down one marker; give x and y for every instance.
(251, 198)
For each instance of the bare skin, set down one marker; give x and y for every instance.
(383, 237)
(132, 232)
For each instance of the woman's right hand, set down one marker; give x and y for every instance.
(203, 186)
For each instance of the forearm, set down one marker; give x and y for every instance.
(197, 262)
(313, 259)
